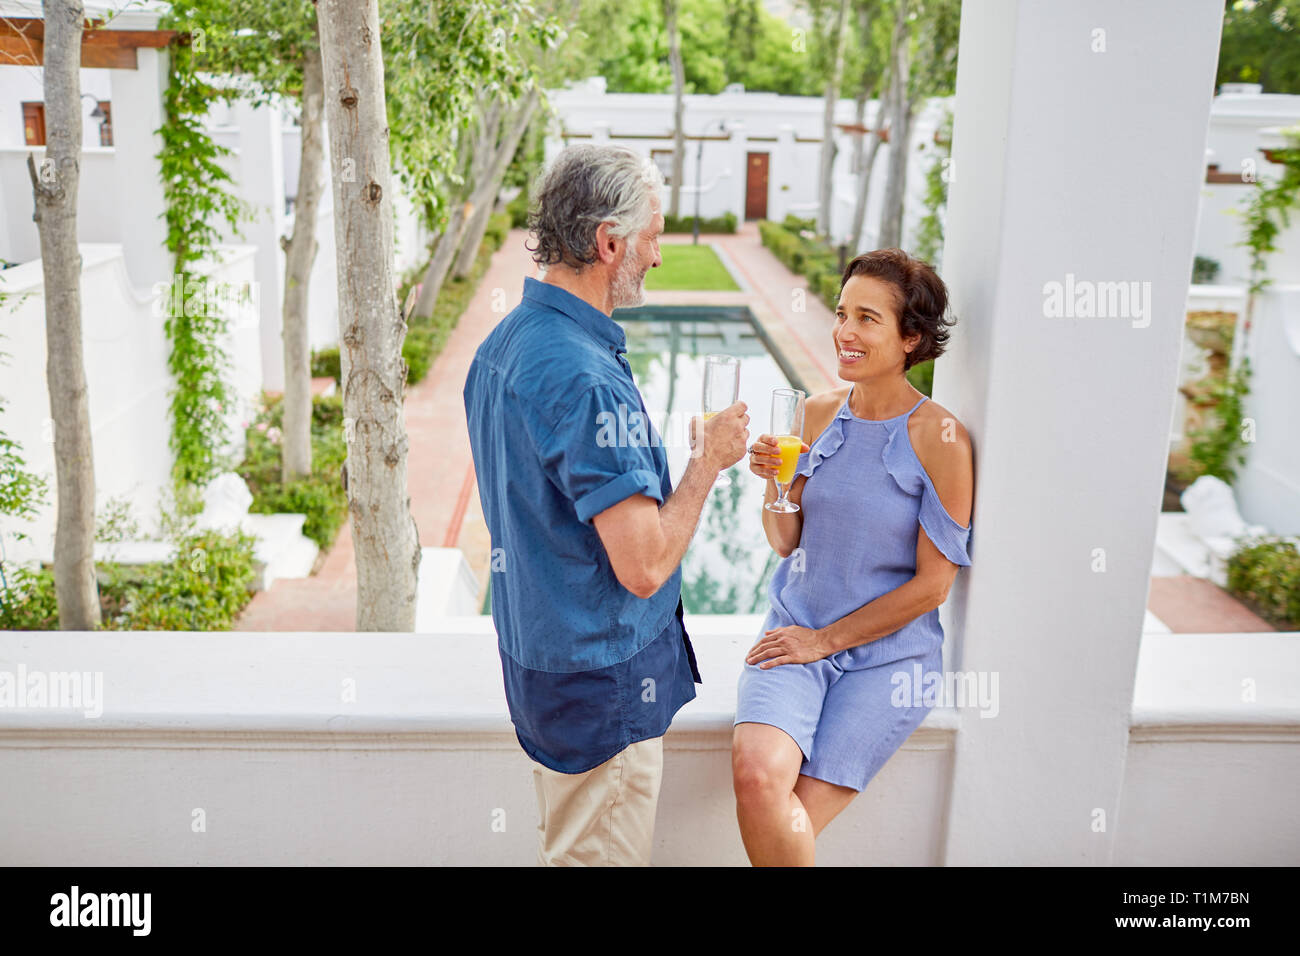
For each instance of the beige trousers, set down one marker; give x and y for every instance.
(604, 817)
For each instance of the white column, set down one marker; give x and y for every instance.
(261, 164)
(1078, 157)
(137, 113)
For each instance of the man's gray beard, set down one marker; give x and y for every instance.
(626, 291)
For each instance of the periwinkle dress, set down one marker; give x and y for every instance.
(865, 496)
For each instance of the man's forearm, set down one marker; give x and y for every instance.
(680, 515)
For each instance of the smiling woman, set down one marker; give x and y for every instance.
(884, 524)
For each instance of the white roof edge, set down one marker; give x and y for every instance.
(135, 15)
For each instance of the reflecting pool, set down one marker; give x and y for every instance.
(729, 562)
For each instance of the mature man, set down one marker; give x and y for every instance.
(586, 584)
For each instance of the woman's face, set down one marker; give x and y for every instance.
(867, 341)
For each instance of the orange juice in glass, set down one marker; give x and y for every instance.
(789, 446)
(787, 427)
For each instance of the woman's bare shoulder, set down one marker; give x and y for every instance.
(819, 410)
(932, 428)
(943, 448)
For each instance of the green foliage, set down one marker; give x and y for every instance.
(1261, 44)
(921, 376)
(517, 209)
(1218, 449)
(438, 54)
(319, 496)
(1269, 210)
(735, 41)
(202, 588)
(196, 189)
(724, 223)
(425, 338)
(1204, 270)
(22, 493)
(805, 254)
(326, 362)
(929, 235)
(27, 599)
(1265, 574)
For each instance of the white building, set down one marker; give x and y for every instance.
(126, 265)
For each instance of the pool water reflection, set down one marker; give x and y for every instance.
(729, 562)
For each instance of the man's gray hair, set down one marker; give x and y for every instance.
(585, 185)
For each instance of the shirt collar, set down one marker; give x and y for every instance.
(596, 323)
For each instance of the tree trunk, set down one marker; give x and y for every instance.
(866, 163)
(55, 193)
(371, 328)
(864, 188)
(440, 262)
(485, 193)
(679, 108)
(891, 215)
(475, 150)
(300, 254)
(827, 171)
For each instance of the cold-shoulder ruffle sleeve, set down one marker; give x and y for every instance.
(900, 460)
(823, 446)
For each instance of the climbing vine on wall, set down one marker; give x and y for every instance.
(1269, 210)
(197, 198)
(929, 232)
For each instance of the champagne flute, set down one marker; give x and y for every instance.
(721, 390)
(787, 429)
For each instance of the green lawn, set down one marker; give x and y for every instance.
(696, 268)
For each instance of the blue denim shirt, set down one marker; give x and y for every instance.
(589, 667)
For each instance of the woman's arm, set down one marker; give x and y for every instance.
(784, 530)
(949, 463)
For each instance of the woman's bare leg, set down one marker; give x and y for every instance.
(823, 801)
(774, 825)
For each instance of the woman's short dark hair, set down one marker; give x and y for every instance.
(920, 298)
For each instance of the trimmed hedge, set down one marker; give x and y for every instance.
(203, 588)
(1266, 575)
(725, 223)
(321, 496)
(790, 242)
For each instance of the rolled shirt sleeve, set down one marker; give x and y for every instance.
(602, 451)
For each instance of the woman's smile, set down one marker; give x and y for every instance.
(849, 356)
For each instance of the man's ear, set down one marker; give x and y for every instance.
(606, 245)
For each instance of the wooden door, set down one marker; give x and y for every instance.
(756, 185)
(34, 124)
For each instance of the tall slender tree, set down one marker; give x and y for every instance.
(55, 188)
(371, 325)
(835, 36)
(925, 65)
(273, 49)
(900, 119)
(299, 256)
(872, 69)
(679, 107)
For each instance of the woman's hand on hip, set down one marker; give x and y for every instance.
(789, 645)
